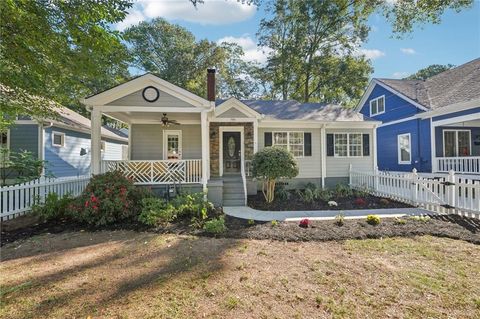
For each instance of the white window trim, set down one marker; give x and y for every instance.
(53, 139)
(348, 145)
(399, 153)
(288, 141)
(456, 140)
(165, 144)
(376, 99)
(103, 146)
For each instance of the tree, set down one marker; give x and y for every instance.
(58, 50)
(429, 71)
(173, 53)
(269, 165)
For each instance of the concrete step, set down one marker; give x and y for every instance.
(228, 196)
(234, 202)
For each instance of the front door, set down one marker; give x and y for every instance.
(231, 152)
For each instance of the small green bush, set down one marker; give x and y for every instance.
(215, 226)
(155, 211)
(54, 207)
(308, 196)
(325, 195)
(274, 223)
(281, 193)
(251, 222)
(399, 221)
(342, 190)
(423, 219)
(340, 219)
(373, 220)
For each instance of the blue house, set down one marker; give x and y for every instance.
(63, 142)
(431, 125)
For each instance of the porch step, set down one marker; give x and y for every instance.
(233, 202)
(229, 196)
(233, 191)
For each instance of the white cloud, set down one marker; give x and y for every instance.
(249, 46)
(408, 51)
(371, 54)
(400, 75)
(213, 12)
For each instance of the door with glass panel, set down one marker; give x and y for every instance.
(172, 147)
(456, 143)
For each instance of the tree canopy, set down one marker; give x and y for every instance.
(173, 53)
(58, 50)
(430, 71)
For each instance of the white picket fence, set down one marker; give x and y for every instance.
(18, 199)
(440, 193)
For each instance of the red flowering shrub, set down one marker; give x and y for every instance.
(360, 202)
(108, 198)
(304, 223)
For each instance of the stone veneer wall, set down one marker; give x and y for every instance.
(215, 143)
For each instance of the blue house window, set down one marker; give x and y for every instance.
(404, 149)
(377, 105)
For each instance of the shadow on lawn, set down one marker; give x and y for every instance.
(122, 271)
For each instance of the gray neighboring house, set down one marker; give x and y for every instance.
(63, 142)
(178, 138)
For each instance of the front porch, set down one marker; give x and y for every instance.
(456, 145)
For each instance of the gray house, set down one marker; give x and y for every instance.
(177, 137)
(63, 142)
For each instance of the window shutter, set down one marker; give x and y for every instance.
(366, 144)
(307, 144)
(330, 147)
(268, 139)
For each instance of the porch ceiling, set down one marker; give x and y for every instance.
(153, 117)
(473, 123)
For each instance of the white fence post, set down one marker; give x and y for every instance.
(375, 179)
(451, 187)
(414, 186)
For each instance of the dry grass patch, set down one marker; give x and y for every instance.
(139, 275)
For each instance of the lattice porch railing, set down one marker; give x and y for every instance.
(158, 172)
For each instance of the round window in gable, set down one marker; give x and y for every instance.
(150, 94)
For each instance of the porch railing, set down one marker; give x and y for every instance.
(464, 164)
(158, 171)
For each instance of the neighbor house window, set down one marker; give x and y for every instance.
(291, 141)
(58, 139)
(456, 143)
(172, 144)
(377, 105)
(404, 149)
(348, 144)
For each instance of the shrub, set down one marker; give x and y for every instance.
(373, 220)
(423, 219)
(269, 165)
(108, 198)
(342, 190)
(215, 226)
(193, 206)
(54, 207)
(308, 195)
(304, 223)
(340, 219)
(360, 202)
(384, 202)
(155, 211)
(281, 193)
(325, 195)
(251, 222)
(399, 221)
(274, 223)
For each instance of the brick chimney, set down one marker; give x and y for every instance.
(211, 85)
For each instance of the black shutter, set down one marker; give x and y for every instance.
(330, 148)
(268, 139)
(307, 144)
(366, 144)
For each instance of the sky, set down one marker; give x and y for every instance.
(456, 40)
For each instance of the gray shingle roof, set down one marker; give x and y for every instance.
(453, 86)
(293, 110)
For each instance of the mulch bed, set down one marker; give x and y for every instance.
(451, 226)
(296, 203)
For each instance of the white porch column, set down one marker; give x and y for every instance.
(95, 139)
(323, 154)
(205, 147)
(374, 148)
(433, 147)
(255, 136)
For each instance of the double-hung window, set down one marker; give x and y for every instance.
(291, 141)
(456, 143)
(377, 105)
(58, 139)
(348, 144)
(404, 145)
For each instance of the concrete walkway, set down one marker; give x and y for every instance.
(245, 212)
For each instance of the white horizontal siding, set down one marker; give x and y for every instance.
(113, 151)
(147, 141)
(309, 166)
(338, 166)
(136, 99)
(233, 113)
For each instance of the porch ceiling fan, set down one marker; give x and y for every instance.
(167, 122)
